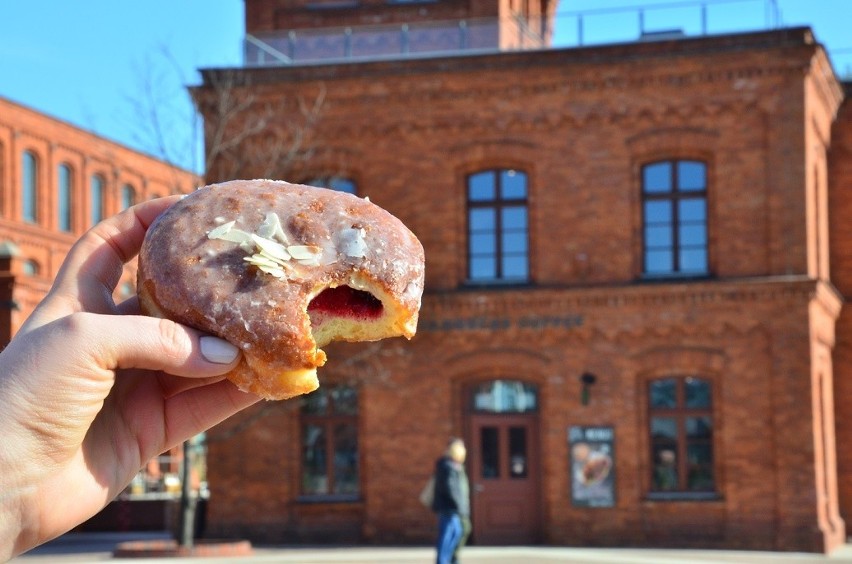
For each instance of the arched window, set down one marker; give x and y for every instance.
(505, 396)
(97, 198)
(674, 215)
(64, 197)
(30, 268)
(128, 196)
(497, 226)
(29, 187)
(335, 183)
(680, 421)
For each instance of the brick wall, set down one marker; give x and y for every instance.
(581, 123)
(840, 215)
(53, 142)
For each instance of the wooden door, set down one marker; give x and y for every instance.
(504, 480)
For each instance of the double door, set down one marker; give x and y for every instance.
(504, 479)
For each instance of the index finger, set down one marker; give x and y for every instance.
(91, 270)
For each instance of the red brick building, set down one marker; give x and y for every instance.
(636, 260)
(56, 181)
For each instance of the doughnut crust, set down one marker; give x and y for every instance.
(280, 270)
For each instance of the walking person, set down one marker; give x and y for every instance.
(451, 501)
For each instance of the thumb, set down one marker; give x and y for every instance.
(133, 341)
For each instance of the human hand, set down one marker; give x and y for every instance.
(91, 390)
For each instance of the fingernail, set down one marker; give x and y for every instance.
(217, 350)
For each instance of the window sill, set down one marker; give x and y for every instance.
(683, 496)
(675, 276)
(496, 283)
(338, 498)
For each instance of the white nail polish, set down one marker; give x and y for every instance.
(217, 350)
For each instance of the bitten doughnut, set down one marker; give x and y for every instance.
(281, 270)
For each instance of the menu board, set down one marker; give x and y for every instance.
(592, 466)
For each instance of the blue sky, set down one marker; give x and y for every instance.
(87, 61)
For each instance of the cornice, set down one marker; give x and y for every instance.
(490, 302)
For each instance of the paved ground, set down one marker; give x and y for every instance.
(81, 548)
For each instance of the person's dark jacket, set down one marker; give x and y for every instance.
(452, 492)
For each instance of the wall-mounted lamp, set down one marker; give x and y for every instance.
(587, 379)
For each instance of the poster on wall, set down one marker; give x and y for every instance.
(592, 466)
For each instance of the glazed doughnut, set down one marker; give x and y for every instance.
(280, 270)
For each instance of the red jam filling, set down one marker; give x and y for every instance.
(344, 301)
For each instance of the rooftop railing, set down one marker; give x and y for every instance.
(652, 22)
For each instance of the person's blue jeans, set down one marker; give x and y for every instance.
(449, 535)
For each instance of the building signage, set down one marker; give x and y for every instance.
(592, 465)
(488, 323)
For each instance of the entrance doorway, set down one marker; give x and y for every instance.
(504, 463)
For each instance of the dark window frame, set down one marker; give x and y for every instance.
(498, 204)
(675, 195)
(681, 413)
(329, 421)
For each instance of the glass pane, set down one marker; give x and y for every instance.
(658, 236)
(482, 219)
(699, 427)
(664, 473)
(664, 428)
(697, 393)
(514, 217)
(314, 469)
(513, 185)
(334, 183)
(315, 403)
(693, 234)
(658, 212)
(483, 244)
(483, 268)
(663, 393)
(517, 452)
(692, 209)
(30, 192)
(128, 196)
(515, 267)
(514, 242)
(699, 474)
(657, 178)
(505, 396)
(691, 176)
(693, 260)
(345, 459)
(657, 261)
(345, 400)
(64, 204)
(481, 187)
(342, 185)
(97, 199)
(490, 455)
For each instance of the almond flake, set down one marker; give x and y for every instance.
(304, 252)
(262, 260)
(271, 228)
(236, 236)
(271, 248)
(217, 232)
(276, 272)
